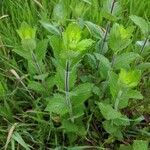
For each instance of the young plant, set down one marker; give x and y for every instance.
(68, 102)
(33, 51)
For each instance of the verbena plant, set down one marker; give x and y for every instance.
(80, 75)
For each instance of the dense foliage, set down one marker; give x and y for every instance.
(74, 74)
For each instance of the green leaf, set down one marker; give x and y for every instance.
(94, 29)
(84, 44)
(27, 35)
(72, 36)
(140, 145)
(41, 48)
(113, 83)
(106, 9)
(41, 77)
(26, 32)
(119, 37)
(28, 44)
(56, 44)
(36, 86)
(122, 121)
(125, 96)
(23, 52)
(104, 64)
(134, 94)
(60, 76)
(143, 25)
(81, 93)
(57, 105)
(108, 112)
(60, 12)
(143, 66)
(130, 78)
(51, 28)
(74, 128)
(113, 129)
(17, 137)
(125, 59)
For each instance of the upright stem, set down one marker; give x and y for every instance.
(105, 36)
(39, 70)
(142, 49)
(107, 27)
(112, 6)
(36, 63)
(67, 78)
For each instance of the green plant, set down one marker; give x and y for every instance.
(74, 74)
(68, 102)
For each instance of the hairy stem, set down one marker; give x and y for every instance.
(67, 78)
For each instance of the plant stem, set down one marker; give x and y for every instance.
(107, 27)
(142, 49)
(67, 78)
(36, 63)
(105, 36)
(112, 6)
(39, 70)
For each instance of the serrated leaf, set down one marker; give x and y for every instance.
(28, 44)
(36, 86)
(113, 129)
(122, 121)
(51, 28)
(113, 80)
(125, 59)
(125, 96)
(134, 94)
(84, 44)
(41, 48)
(139, 21)
(72, 35)
(57, 105)
(108, 112)
(81, 93)
(94, 29)
(26, 32)
(23, 53)
(104, 65)
(130, 78)
(73, 128)
(140, 145)
(56, 44)
(119, 38)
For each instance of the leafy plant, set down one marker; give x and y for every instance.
(74, 74)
